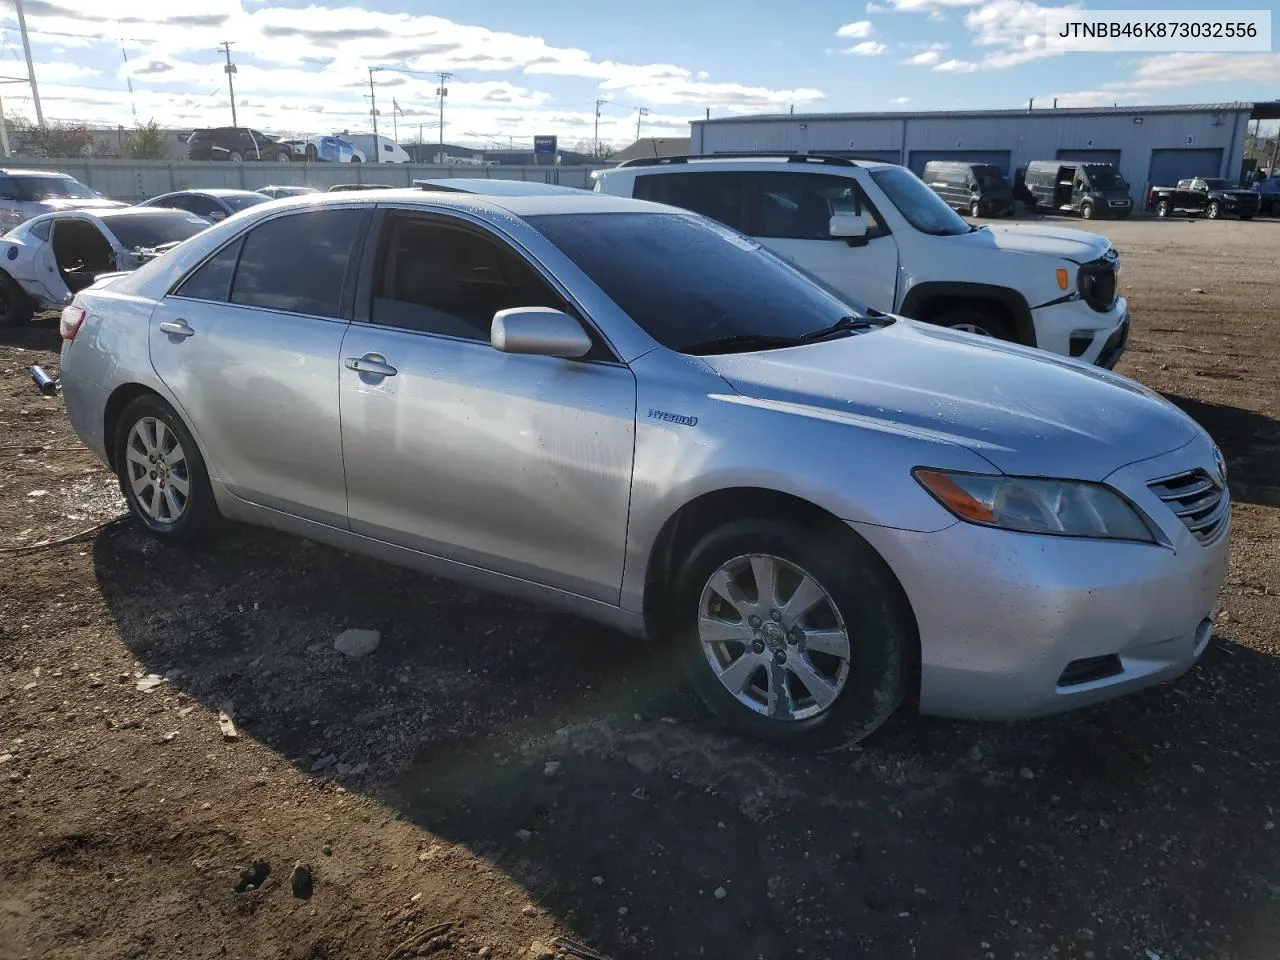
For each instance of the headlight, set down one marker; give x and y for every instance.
(1071, 508)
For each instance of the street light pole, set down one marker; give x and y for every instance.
(31, 70)
(596, 135)
(643, 112)
(373, 111)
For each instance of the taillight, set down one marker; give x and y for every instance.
(72, 319)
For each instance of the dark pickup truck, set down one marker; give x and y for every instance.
(1212, 196)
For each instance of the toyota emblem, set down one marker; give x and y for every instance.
(1220, 466)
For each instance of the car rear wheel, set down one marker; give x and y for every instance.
(1214, 211)
(1163, 208)
(283, 157)
(1086, 211)
(975, 319)
(975, 209)
(16, 307)
(235, 156)
(792, 637)
(311, 153)
(162, 475)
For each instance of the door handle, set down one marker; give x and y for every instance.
(177, 328)
(371, 363)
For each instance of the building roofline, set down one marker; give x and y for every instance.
(1238, 106)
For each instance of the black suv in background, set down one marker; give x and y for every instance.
(235, 144)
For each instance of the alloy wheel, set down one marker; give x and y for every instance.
(157, 468)
(773, 637)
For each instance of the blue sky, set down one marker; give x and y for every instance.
(526, 67)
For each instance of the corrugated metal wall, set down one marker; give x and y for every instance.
(133, 180)
(1038, 135)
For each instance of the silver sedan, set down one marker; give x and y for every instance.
(642, 416)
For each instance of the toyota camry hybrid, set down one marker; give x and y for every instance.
(633, 412)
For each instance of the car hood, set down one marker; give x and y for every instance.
(1079, 246)
(1238, 194)
(1027, 412)
(55, 204)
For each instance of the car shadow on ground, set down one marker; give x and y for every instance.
(1250, 443)
(40, 334)
(563, 753)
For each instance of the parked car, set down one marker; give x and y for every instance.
(213, 204)
(978, 189)
(643, 416)
(1211, 196)
(1089, 189)
(1268, 192)
(902, 249)
(29, 193)
(49, 258)
(276, 192)
(381, 150)
(326, 149)
(236, 144)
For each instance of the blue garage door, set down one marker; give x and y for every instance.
(1170, 166)
(997, 158)
(1091, 156)
(880, 156)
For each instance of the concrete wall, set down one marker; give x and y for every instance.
(134, 180)
(1037, 135)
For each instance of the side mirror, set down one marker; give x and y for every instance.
(540, 331)
(849, 227)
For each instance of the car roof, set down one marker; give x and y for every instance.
(496, 188)
(22, 171)
(114, 213)
(529, 205)
(751, 164)
(211, 192)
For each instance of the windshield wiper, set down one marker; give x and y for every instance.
(848, 323)
(745, 341)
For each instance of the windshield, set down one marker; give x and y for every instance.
(923, 208)
(1218, 184)
(46, 188)
(154, 228)
(240, 202)
(1105, 178)
(687, 280)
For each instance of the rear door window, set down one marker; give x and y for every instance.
(212, 279)
(300, 263)
(714, 195)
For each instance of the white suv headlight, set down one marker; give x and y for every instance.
(1071, 508)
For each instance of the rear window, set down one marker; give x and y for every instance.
(153, 229)
(45, 188)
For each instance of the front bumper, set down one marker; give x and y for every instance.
(1012, 625)
(1074, 329)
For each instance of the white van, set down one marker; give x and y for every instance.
(386, 150)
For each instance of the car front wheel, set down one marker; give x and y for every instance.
(1214, 211)
(235, 156)
(792, 637)
(1163, 209)
(162, 475)
(1086, 211)
(975, 209)
(16, 307)
(975, 320)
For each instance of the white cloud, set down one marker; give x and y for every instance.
(868, 48)
(1012, 29)
(927, 46)
(308, 68)
(957, 66)
(899, 99)
(856, 30)
(1196, 69)
(926, 59)
(873, 7)
(1085, 98)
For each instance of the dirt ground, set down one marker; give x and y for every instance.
(495, 774)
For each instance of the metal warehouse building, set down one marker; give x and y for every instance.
(1149, 145)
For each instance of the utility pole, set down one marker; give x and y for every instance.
(640, 115)
(4, 132)
(31, 70)
(442, 91)
(373, 112)
(597, 133)
(230, 70)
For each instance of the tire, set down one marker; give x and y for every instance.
(975, 319)
(235, 156)
(1086, 211)
(975, 209)
(311, 153)
(149, 426)
(1163, 209)
(283, 157)
(16, 307)
(1213, 211)
(355, 159)
(831, 699)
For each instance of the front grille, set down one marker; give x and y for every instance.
(1199, 501)
(1097, 282)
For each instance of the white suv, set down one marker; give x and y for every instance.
(878, 235)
